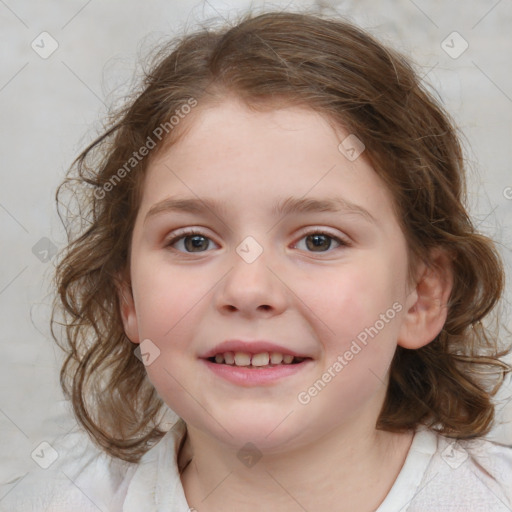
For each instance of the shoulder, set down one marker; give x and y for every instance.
(82, 477)
(466, 475)
(71, 473)
(156, 483)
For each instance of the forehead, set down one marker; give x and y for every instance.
(254, 158)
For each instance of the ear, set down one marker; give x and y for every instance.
(127, 308)
(426, 306)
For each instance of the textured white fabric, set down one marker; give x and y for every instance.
(439, 475)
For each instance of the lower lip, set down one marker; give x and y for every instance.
(244, 376)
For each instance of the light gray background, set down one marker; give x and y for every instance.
(52, 107)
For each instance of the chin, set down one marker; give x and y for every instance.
(268, 433)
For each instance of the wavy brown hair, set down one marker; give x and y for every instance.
(272, 60)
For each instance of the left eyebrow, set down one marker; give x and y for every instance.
(295, 205)
(287, 206)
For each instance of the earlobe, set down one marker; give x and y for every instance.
(427, 304)
(127, 310)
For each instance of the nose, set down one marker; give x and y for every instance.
(252, 288)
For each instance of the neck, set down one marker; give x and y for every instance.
(347, 469)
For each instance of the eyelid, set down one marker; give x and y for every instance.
(184, 232)
(325, 231)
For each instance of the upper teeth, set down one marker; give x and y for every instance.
(246, 359)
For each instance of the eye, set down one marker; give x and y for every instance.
(319, 241)
(194, 241)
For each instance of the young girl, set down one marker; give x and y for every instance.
(277, 250)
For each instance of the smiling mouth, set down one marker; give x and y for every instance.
(256, 361)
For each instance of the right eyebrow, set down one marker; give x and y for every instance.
(187, 205)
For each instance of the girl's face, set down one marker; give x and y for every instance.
(268, 261)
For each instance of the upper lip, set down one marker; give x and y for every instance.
(250, 347)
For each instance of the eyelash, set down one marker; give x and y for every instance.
(193, 232)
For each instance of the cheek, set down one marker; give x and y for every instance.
(174, 384)
(166, 311)
(350, 299)
(356, 315)
(163, 298)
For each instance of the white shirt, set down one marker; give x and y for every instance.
(438, 475)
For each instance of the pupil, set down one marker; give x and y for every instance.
(318, 241)
(196, 240)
